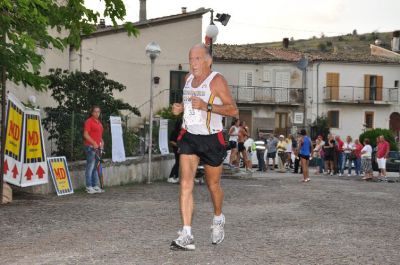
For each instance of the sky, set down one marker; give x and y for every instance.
(254, 21)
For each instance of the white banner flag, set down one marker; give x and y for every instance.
(163, 137)
(118, 150)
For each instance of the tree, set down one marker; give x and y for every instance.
(320, 126)
(374, 133)
(30, 25)
(75, 93)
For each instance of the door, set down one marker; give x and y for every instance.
(176, 84)
(281, 123)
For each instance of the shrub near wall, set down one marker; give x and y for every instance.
(374, 133)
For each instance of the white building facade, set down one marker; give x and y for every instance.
(355, 96)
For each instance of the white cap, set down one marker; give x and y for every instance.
(281, 136)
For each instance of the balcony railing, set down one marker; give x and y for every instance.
(267, 95)
(353, 94)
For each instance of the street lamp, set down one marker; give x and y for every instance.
(153, 51)
(212, 29)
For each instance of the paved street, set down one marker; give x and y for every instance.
(271, 219)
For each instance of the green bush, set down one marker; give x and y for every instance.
(374, 133)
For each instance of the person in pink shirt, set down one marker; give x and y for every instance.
(357, 151)
(381, 156)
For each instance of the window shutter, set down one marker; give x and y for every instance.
(367, 82)
(332, 83)
(379, 87)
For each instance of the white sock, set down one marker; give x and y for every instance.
(219, 218)
(187, 229)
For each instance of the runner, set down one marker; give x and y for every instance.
(242, 136)
(233, 143)
(304, 154)
(206, 97)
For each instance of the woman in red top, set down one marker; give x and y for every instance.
(357, 151)
(93, 136)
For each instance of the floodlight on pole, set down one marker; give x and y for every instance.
(153, 50)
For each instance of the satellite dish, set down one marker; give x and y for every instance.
(302, 64)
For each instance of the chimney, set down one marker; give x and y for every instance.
(102, 23)
(396, 41)
(184, 8)
(142, 12)
(285, 43)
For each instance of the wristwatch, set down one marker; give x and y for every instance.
(209, 107)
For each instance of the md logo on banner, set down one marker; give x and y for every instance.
(60, 175)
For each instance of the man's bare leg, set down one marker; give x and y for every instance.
(213, 176)
(188, 166)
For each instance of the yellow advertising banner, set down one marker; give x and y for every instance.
(25, 158)
(14, 138)
(33, 139)
(15, 121)
(60, 174)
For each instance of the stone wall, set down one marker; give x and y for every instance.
(133, 170)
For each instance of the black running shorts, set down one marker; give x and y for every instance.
(232, 145)
(209, 148)
(241, 147)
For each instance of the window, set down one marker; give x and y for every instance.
(396, 83)
(267, 76)
(333, 118)
(246, 78)
(373, 87)
(332, 85)
(369, 120)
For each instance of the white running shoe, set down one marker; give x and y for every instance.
(173, 180)
(183, 242)
(90, 190)
(218, 233)
(97, 189)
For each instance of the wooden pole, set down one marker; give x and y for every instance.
(3, 127)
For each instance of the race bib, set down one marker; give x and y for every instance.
(192, 116)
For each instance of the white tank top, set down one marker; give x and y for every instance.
(198, 121)
(234, 137)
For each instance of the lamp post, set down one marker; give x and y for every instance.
(212, 29)
(153, 51)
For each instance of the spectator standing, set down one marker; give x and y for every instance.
(304, 154)
(318, 154)
(93, 136)
(357, 152)
(382, 154)
(348, 155)
(339, 155)
(233, 143)
(329, 153)
(366, 154)
(289, 151)
(271, 150)
(281, 148)
(260, 149)
(296, 154)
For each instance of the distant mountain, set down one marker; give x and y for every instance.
(358, 43)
